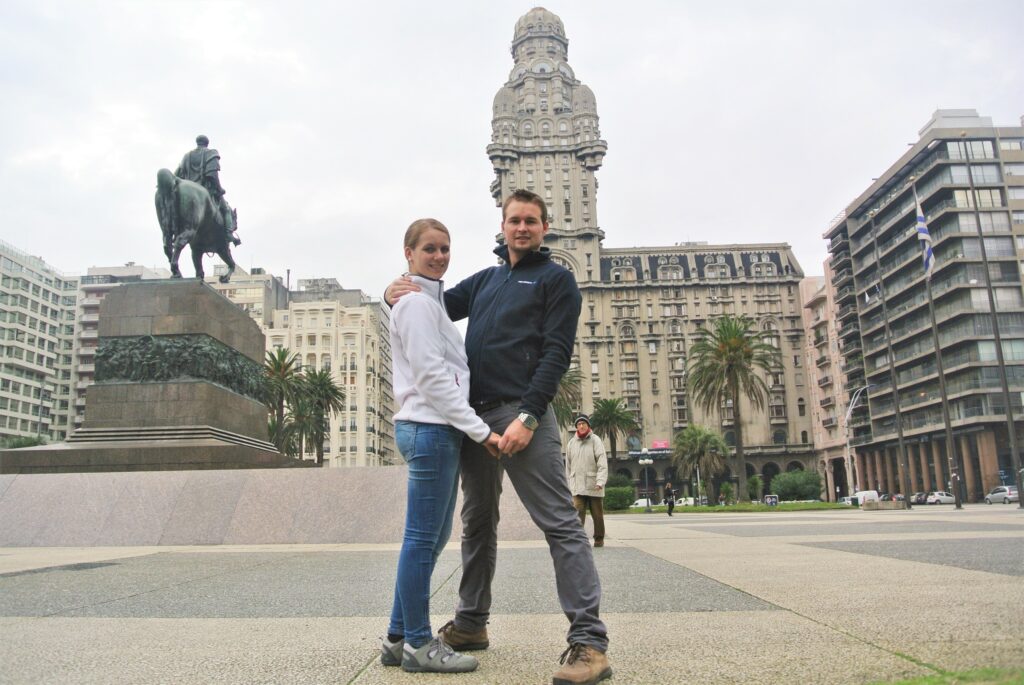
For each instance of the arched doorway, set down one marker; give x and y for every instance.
(647, 483)
(769, 471)
(794, 466)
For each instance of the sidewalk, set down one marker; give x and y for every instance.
(803, 597)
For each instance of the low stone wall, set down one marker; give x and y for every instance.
(244, 506)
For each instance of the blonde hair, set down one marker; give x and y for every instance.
(419, 227)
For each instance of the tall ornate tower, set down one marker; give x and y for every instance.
(545, 138)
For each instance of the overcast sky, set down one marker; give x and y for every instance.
(338, 123)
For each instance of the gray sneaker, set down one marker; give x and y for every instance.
(436, 657)
(391, 652)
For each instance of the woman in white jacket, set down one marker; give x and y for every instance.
(431, 384)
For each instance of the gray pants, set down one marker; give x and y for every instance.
(538, 476)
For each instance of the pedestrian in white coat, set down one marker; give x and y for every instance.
(586, 468)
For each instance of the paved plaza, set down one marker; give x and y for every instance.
(802, 597)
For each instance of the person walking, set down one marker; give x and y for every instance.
(522, 326)
(670, 498)
(431, 384)
(586, 468)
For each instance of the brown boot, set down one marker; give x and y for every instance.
(582, 665)
(461, 640)
(598, 543)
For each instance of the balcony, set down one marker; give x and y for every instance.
(842, 278)
(824, 381)
(854, 364)
(862, 439)
(823, 340)
(851, 347)
(846, 311)
(845, 294)
(849, 329)
(829, 422)
(838, 243)
(90, 318)
(821, 361)
(828, 401)
(88, 334)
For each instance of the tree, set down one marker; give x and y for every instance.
(567, 401)
(797, 485)
(611, 417)
(325, 398)
(281, 380)
(724, 367)
(755, 486)
(695, 448)
(299, 429)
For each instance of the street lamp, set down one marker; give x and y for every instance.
(849, 412)
(645, 461)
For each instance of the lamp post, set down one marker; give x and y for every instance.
(849, 413)
(646, 461)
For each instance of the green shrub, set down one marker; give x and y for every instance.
(617, 498)
(726, 492)
(797, 485)
(15, 443)
(617, 480)
(755, 486)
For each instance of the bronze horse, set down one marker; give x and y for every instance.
(189, 216)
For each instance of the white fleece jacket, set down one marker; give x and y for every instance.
(431, 375)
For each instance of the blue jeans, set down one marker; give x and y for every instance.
(432, 453)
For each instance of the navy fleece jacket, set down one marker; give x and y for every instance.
(522, 327)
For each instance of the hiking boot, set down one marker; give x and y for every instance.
(391, 652)
(436, 657)
(462, 640)
(582, 665)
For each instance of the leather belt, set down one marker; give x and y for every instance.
(487, 405)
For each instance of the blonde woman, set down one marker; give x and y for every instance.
(431, 383)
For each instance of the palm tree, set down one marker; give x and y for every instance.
(698, 448)
(611, 417)
(724, 366)
(300, 426)
(281, 377)
(325, 398)
(569, 398)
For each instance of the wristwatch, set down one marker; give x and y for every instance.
(529, 420)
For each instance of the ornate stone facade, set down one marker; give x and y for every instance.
(642, 306)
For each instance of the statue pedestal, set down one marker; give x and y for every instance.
(178, 369)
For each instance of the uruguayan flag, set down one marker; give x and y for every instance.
(926, 242)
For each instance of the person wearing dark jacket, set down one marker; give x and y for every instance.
(522, 326)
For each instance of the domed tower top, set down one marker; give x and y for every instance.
(539, 24)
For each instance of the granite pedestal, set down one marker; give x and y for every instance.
(177, 387)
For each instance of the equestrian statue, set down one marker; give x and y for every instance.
(191, 209)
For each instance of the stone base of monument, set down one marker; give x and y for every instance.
(178, 371)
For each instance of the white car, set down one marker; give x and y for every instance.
(940, 498)
(1003, 493)
(642, 503)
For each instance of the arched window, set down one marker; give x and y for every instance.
(803, 437)
(801, 407)
(670, 273)
(627, 331)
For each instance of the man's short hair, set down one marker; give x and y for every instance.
(202, 141)
(529, 198)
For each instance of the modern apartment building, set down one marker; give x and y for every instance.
(969, 176)
(346, 332)
(92, 288)
(643, 305)
(256, 291)
(37, 305)
(827, 383)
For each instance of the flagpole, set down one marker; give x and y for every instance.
(951, 457)
(901, 459)
(1011, 426)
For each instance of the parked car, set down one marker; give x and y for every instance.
(1004, 494)
(919, 498)
(846, 500)
(940, 497)
(866, 496)
(643, 502)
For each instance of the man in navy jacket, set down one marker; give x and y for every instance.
(522, 327)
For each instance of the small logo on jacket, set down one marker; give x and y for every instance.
(527, 282)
